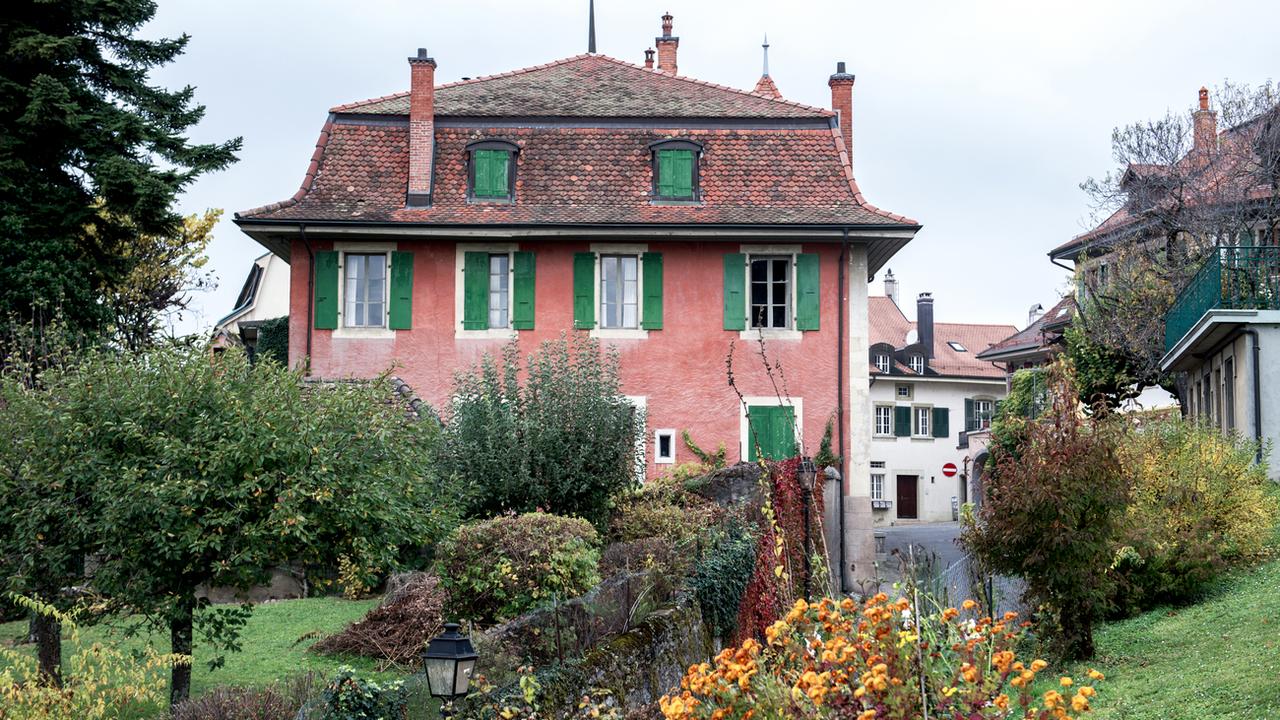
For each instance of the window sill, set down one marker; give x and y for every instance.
(491, 201)
(363, 333)
(929, 438)
(770, 334)
(674, 202)
(664, 461)
(620, 333)
(490, 334)
(878, 436)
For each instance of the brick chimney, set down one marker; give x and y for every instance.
(924, 322)
(648, 59)
(1205, 122)
(841, 85)
(422, 128)
(667, 45)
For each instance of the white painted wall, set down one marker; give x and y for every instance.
(924, 457)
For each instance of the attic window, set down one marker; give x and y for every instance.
(956, 346)
(491, 171)
(675, 170)
(917, 364)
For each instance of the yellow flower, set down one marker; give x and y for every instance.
(968, 604)
(1038, 665)
(1096, 675)
(1079, 703)
(1066, 681)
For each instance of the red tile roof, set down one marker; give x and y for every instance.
(590, 86)
(1032, 337)
(889, 325)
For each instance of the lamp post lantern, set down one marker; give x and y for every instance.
(807, 474)
(449, 662)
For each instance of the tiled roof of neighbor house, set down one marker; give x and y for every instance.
(787, 165)
(889, 325)
(590, 86)
(1032, 336)
(1230, 175)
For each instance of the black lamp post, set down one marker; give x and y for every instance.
(449, 662)
(807, 474)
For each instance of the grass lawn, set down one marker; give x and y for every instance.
(269, 651)
(1217, 659)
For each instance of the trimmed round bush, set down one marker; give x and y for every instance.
(497, 569)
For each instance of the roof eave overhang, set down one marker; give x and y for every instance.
(1209, 333)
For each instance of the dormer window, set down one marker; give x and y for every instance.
(675, 170)
(916, 362)
(491, 173)
(882, 362)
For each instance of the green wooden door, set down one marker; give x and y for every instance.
(771, 432)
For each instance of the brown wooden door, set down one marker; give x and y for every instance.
(907, 497)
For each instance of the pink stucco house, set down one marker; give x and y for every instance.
(662, 214)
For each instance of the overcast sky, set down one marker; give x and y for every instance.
(978, 119)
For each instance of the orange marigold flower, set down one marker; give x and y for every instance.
(968, 604)
(1066, 681)
(1038, 665)
(1001, 701)
(1079, 703)
(1087, 691)
(1096, 675)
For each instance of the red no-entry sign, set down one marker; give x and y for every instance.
(949, 469)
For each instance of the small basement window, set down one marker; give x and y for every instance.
(675, 170)
(664, 447)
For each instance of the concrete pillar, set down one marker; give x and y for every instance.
(859, 538)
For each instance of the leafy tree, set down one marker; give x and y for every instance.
(1051, 512)
(563, 441)
(91, 153)
(162, 272)
(212, 472)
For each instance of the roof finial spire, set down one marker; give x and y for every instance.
(591, 26)
(766, 54)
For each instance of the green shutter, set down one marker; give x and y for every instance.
(666, 174)
(491, 168)
(326, 290)
(941, 422)
(970, 419)
(902, 422)
(651, 313)
(807, 310)
(475, 291)
(771, 430)
(400, 312)
(735, 280)
(523, 292)
(584, 290)
(682, 165)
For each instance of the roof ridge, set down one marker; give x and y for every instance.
(345, 107)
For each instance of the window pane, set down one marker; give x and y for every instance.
(499, 281)
(779, 293)
(374, 314)
(377, 265)
(759, 293)
(759, 270)
(628, 269)
(779, 317)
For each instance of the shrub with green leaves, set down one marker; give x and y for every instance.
(350, 697)
(552, 432)
(721, 578)
(1200, 504)
(663, 508)
(496, 569)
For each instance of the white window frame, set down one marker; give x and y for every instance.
(459, 299)
(887, 365)
(790, 332)
(621, 260)
(875, 421)
(658, 457)
(641, 404)
(916, 363)
(957, 346)
(878, 494)
(897, 391)
(744, 430)
(382, 332)
(977, 416)
(604, 333)
(916, 424)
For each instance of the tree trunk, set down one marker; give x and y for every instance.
(1077, 625)
(48, 632)
(180, 631)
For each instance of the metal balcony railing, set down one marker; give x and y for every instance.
(1232, 278)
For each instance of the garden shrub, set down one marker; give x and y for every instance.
(349, 697)
(277, 701)
(1199, 504)
(721, 576)
(1052, 510)
(881, 659)
(663, 508)
(399, 628)
(273, 340)
(496, 569)
(556, 434)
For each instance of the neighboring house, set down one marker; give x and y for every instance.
(1037, 343)
(264, 296)
(669, 217)
(929, 391)
(1225, 324)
